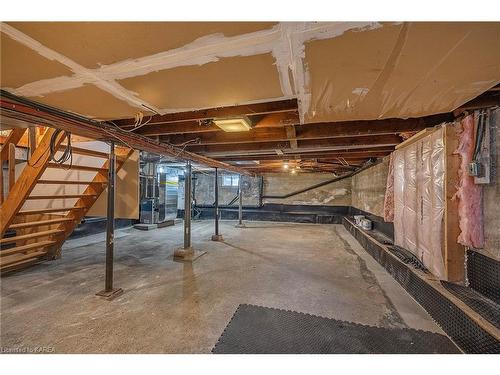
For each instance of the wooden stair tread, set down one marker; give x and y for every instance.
(68, 196)
(20, 249)
(76, 167)
(64, 182)
(39, 223)
(17, 261)
(43, 210)
(86, 152)
(30, 235)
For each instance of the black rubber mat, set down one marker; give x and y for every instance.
(470, 336)
(256, 329)
(482, 305)
(407, 257)
(484, 275)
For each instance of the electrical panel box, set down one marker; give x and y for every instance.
(483, 169)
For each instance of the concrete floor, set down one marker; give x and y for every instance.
(171, 307)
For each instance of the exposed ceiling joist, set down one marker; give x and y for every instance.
(353, 153)
(202, 126)
(247, 148)
(289, 105)
(310, 131)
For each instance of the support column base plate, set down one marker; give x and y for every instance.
(187, 255)
(110, 294)
(217, 237)
(240, 225)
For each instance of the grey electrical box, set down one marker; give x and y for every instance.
(483, 167)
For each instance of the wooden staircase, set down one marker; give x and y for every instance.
(29, 236)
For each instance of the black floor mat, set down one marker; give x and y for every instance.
(488, 309)
(256, 329)
(407, 257)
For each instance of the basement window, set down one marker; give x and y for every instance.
(230, 180)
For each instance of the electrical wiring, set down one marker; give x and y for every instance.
(67, 153)
(479, 134)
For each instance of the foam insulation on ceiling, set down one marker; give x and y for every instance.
(90, 101)
(228, 81)
(92, 44)
(339, 71)
(21, 65)
(401, 70)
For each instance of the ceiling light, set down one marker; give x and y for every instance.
(294, 171)
(237, 124)
(285, 165)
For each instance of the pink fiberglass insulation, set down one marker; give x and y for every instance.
(389, 192)
(470, 208)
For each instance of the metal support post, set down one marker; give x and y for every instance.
(216, 236)
(240, 204)
(109, 292)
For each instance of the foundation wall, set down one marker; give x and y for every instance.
(334, 194)
(491, 202)
(368, 188)
(204, 189)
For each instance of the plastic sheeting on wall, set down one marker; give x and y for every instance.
(470, 209)
(419, 172)
(389, 192)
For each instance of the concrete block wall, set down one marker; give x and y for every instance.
(491, 203)
(368, 188)
(334, 194)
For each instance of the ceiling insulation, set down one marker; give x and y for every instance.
(89, 99)
(401, 71)
(93, 44)
(18, 61)
(228, 81)
(338, 71)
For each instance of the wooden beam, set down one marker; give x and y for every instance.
(453, 252)
(291, 136)
(13, 138)
(485, 100)
(1, 183)
(306, 131)
(386, 140)
(289, 105)
(12, 165)
(356, 153)
(32, 139)
(188, 127)
(26, 181)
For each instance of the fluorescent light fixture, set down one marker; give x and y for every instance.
(237, 124)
